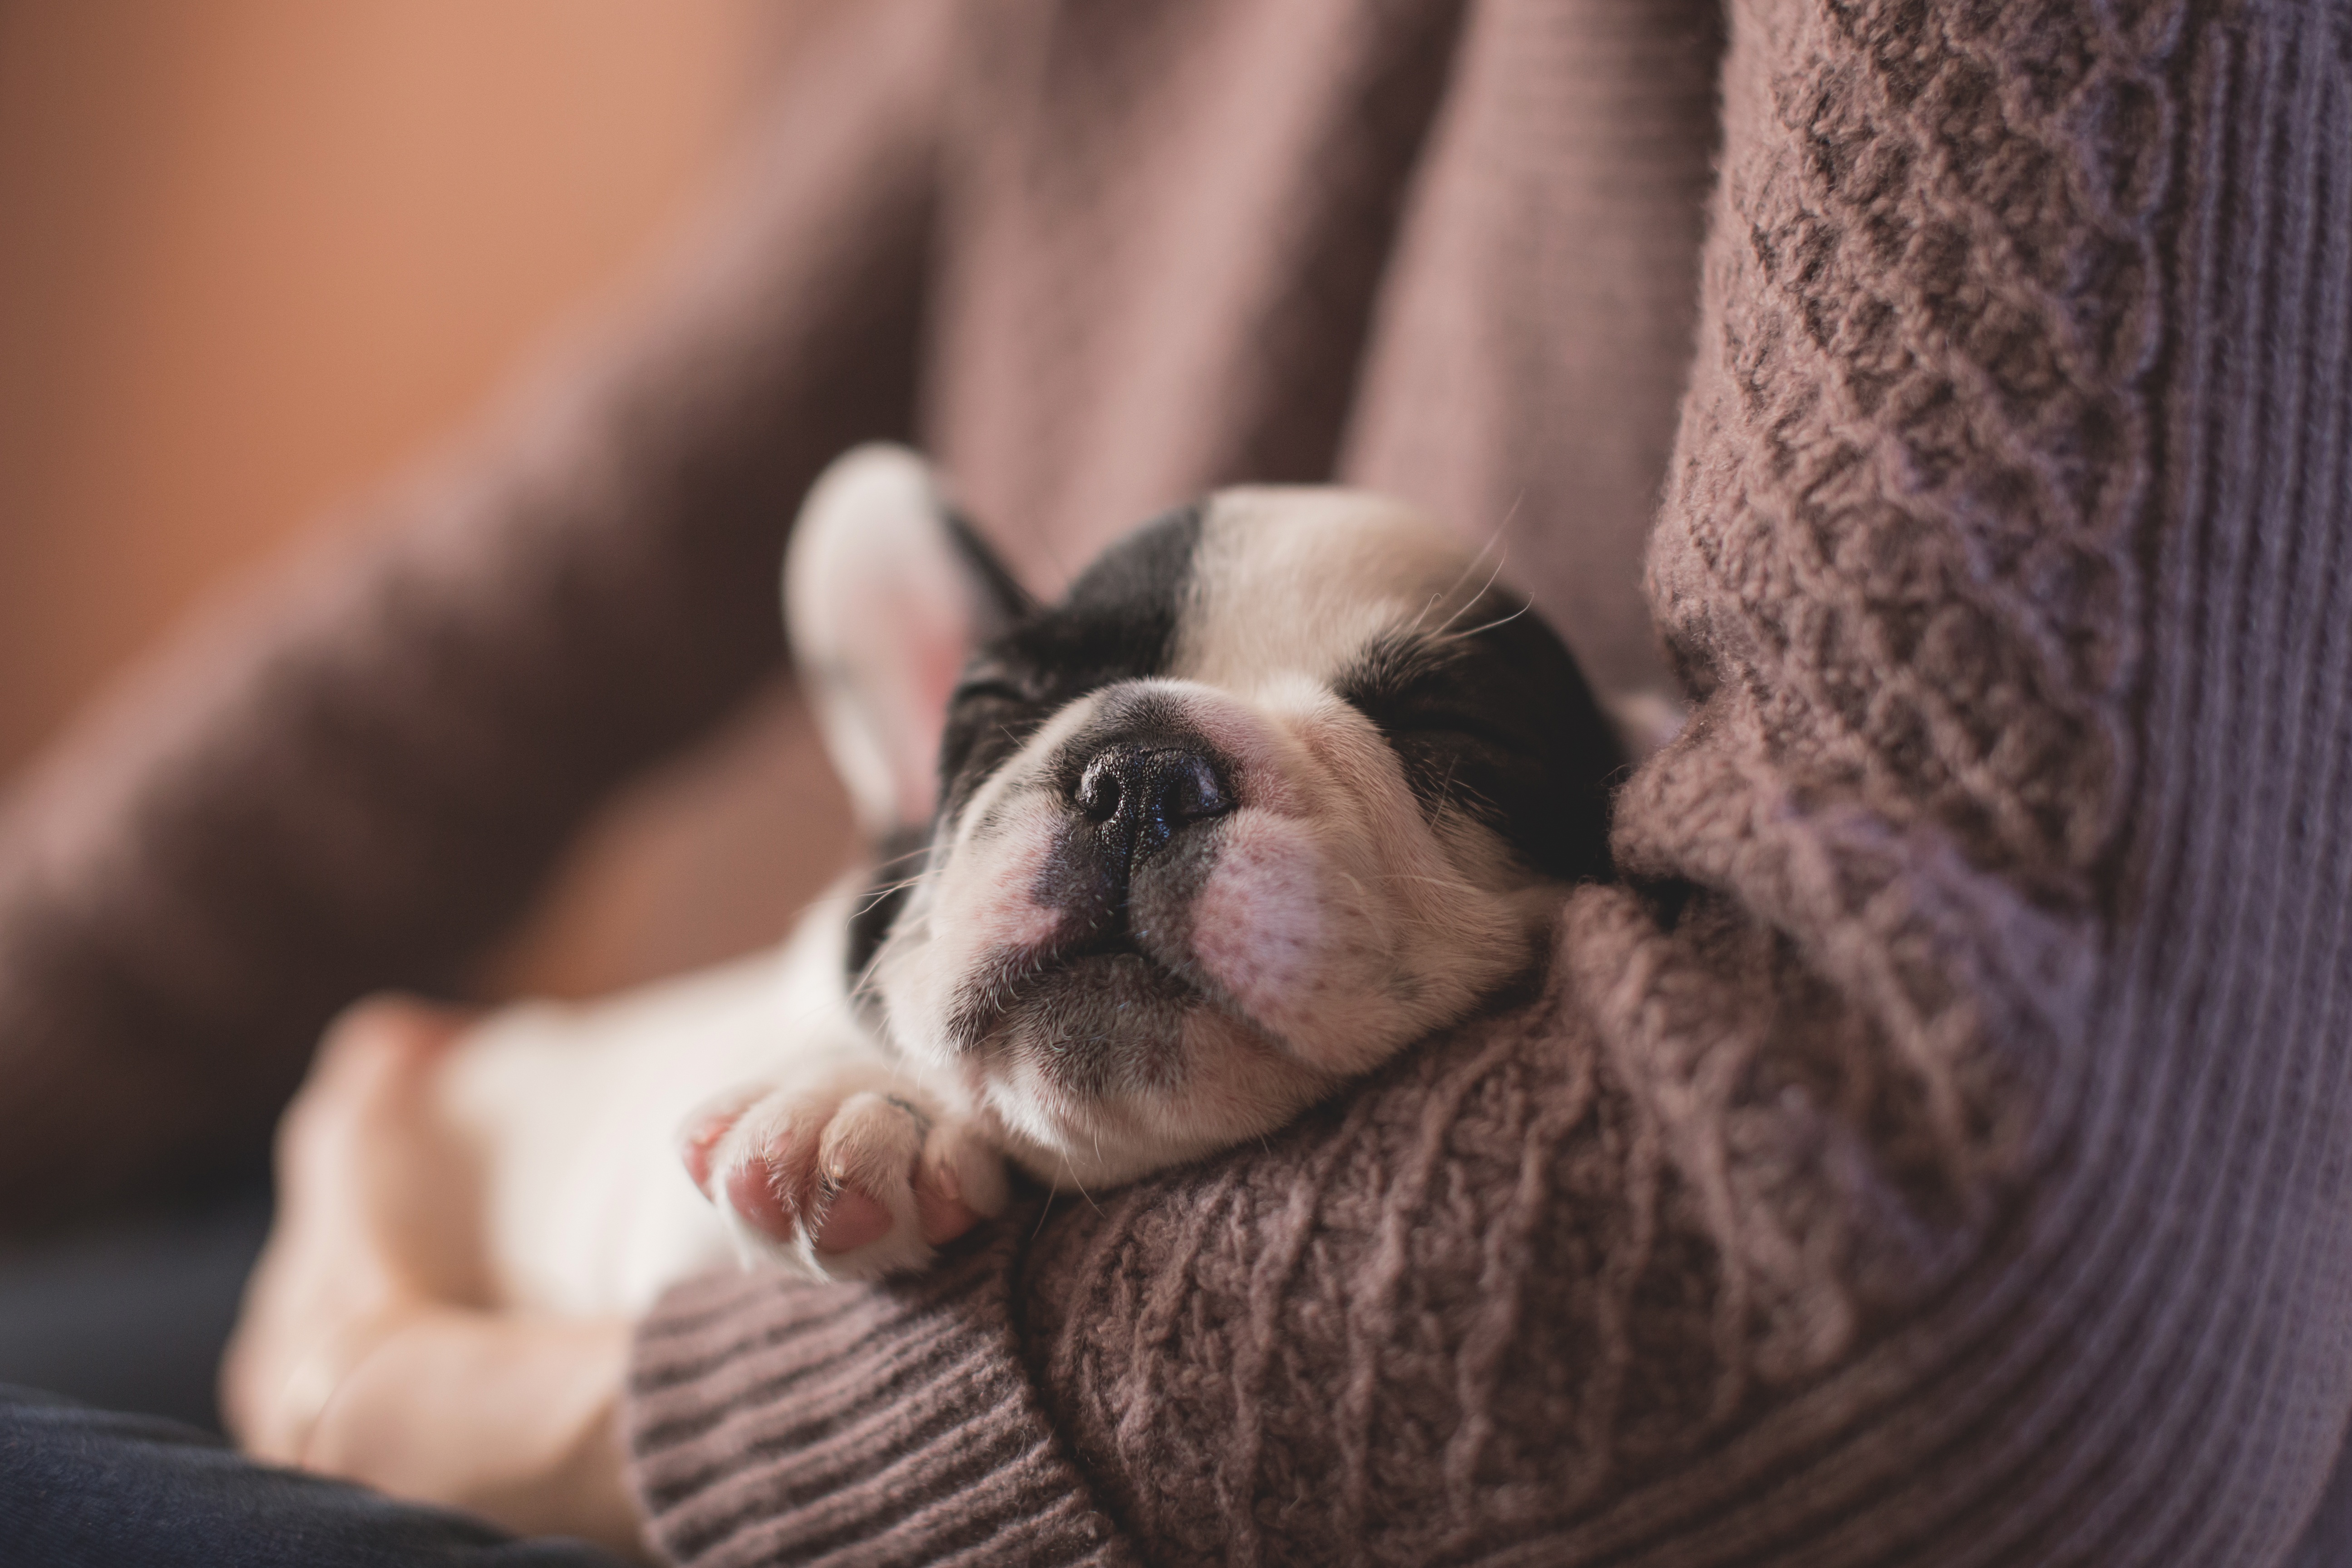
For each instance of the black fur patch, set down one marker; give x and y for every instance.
(1012, 600)
(1118, 623)
(900, 857)
(1499, 723)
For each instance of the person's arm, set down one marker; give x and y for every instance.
(1924, 1154)
(356, 778)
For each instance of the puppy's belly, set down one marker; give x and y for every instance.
(571, 1113)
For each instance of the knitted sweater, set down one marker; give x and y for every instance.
(1931, 1149)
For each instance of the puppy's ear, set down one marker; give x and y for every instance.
(887, 593)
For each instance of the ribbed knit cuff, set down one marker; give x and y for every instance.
(773, 1421)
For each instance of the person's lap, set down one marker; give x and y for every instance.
(83, 1487)
(131, 1312)
(121, 1466)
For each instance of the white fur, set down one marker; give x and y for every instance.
(571, 1112)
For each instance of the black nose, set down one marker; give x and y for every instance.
(1141, 796)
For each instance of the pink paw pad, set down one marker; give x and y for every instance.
(851, 1220)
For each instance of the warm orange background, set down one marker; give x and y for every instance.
(255, 254)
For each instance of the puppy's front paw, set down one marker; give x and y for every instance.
(842, 1180)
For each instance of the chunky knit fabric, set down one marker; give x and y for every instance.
(1931, 1150)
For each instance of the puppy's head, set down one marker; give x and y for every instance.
(1282, 783)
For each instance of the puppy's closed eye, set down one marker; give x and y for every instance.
(990, 694)
(1496, 723)
(983, 687)
(990, 714)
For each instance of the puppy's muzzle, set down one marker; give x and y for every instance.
(1141, 801)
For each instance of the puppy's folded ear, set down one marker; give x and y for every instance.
(887, 593)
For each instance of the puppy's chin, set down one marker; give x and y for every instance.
(1113, 1068)
(1095, 1025)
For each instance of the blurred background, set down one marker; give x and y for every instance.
(255, 255)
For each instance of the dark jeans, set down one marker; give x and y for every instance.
(95, 1488)
(132, 1315)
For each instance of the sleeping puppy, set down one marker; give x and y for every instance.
(1281, 785)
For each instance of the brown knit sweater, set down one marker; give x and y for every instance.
(1933, 1151)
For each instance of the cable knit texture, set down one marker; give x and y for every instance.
(1931, 1149)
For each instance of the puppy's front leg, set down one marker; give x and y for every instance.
(848, 1175)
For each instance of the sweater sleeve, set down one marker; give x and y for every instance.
(354, 777)
(1929, 1151)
